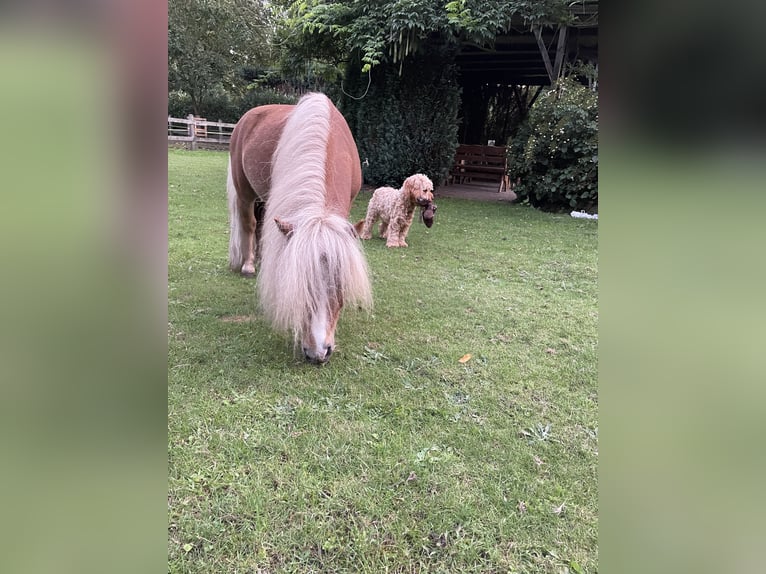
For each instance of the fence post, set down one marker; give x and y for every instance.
(192, 131)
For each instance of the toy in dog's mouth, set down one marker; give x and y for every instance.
(422, 201)
(427, 212)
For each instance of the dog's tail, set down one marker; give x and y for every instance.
(358, 226)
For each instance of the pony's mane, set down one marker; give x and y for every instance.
(322, 253)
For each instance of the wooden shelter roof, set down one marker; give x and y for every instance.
(515, 57)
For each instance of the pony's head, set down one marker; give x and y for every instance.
(419, 188)
(322, 267)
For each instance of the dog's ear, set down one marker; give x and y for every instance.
(409, 187)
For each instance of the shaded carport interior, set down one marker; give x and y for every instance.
(514, 62)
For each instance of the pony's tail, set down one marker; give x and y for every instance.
(235, 225)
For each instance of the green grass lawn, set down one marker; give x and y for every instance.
(395, 456)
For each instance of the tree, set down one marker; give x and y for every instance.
(392, 30)
(210, 40)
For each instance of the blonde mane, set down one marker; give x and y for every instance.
(321, 257)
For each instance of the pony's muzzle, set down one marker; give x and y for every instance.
(318, 358)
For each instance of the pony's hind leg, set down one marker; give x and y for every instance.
(242, 230)
(248, 225)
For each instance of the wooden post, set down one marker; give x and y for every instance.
(192, 132)
(554, 71)
(544, 52)
(560, 51)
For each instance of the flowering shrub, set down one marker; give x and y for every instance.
(555, 153)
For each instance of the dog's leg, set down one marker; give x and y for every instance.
(406, 224)
(394, 237)
(369, 221)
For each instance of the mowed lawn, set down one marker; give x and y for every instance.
(399, 455)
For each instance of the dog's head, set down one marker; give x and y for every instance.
(427, 213)
(420, 189)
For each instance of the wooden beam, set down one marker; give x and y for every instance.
(560, 51)
(544, 53)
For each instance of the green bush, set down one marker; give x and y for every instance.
(225, 107)
(406, 122)
(257, 96)
(555, 153)
(219, 106)
(179, 104)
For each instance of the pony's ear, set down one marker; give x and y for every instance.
(284, 226)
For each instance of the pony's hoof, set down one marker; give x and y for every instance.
(248, 270)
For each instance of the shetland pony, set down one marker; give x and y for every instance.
(293, 174)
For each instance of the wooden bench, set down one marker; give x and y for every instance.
(483, 162)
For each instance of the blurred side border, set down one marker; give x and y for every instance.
(83, 316)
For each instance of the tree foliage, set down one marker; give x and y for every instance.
(391, 30)
(210, 40)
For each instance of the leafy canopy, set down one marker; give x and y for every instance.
(391, 30)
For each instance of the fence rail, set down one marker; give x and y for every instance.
(198, 130)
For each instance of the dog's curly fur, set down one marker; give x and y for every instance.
(396, 208)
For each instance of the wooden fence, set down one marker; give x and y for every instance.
(194, 131)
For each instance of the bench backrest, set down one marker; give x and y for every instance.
(480, 155)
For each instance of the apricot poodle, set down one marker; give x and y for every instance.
(396, 209)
